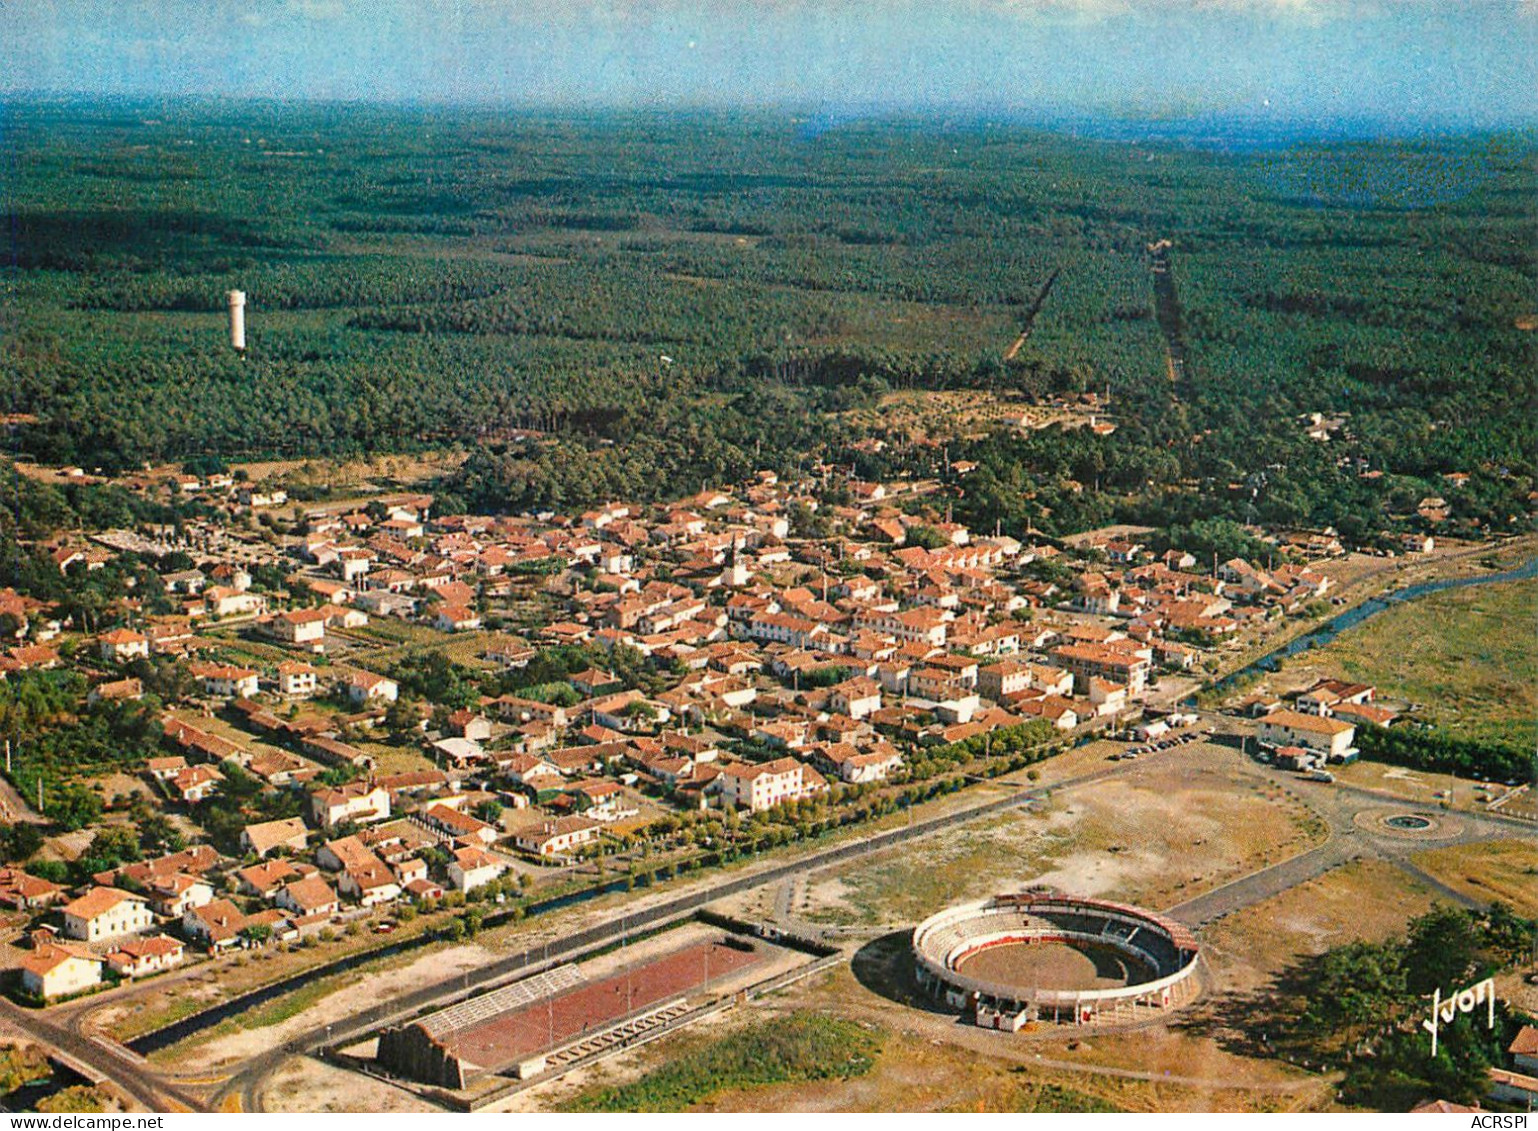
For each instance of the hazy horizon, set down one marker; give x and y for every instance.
(1403, 65)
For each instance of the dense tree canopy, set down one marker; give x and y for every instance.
(674, 300)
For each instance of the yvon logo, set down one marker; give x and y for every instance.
(1464, 1001)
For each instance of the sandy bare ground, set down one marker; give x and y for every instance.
(242, 1044)
(1157, 835)
(310, 1085)
(1367, 900)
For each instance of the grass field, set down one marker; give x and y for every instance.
(1467, 655)
(779, 1050)
(1506, 870)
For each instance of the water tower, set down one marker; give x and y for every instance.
(238, 320)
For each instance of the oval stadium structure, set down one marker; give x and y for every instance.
(1013, 960)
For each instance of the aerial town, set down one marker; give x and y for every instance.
(365, 718)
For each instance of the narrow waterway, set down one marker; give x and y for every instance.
(1369, 608)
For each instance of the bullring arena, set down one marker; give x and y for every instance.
(1015, 960)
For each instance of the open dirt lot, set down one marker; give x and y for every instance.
(1157, 836)
(1505, 870)
(1055, 966)
(1365, 899)
(310, 1085)
(1425, 789)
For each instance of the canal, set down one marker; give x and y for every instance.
(1368, 609)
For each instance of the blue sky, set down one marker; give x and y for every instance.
(1411, 62)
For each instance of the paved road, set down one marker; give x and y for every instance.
(103, 1060)
(1452, 895)
(1262, 885)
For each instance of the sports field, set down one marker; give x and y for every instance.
(597, 1005)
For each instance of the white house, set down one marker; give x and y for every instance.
(297, 680)
(857, 697)
(56, 971)
(174, 894)
(1330, 737)
(308, 896)
(364, 687)
(123, 644)
(224, 681)
(471, 867)
(138, 957)
(356, 801)
(304, 627)
(272, 836)
(106, 913)
(766, 785)
(558, 837)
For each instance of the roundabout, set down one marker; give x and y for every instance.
(1408, 824)
(1043, 957)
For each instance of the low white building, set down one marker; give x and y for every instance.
(106, 913)
(763, 786)
(472, 867)
(1327, 736)
(53, 971)
(303, 627)
(224, 681)
(356, 801)
(297, 680)
(558, 837)
(365, 687)
(123, 644)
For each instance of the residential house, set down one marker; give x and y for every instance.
(262, 880)
(174, 894)
(1330, 737)
(225, 681)
(763, 786)
(56, 970)
(1112, 661)
(857, 697)
(264, 838)
(222, 601)
(460, 826)
(116, 691)
(365, 687)
(309, 896)
(297, 680)
(138, 958)
(1325, 696)
(364, 876)
(194, 784)
(123, 644)
(356, 801)
(220, 925)
(559, 837)
(855, 766)
(106, 913)
(23, 892)
(472, 867)
(305, 628)
(456, 618)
